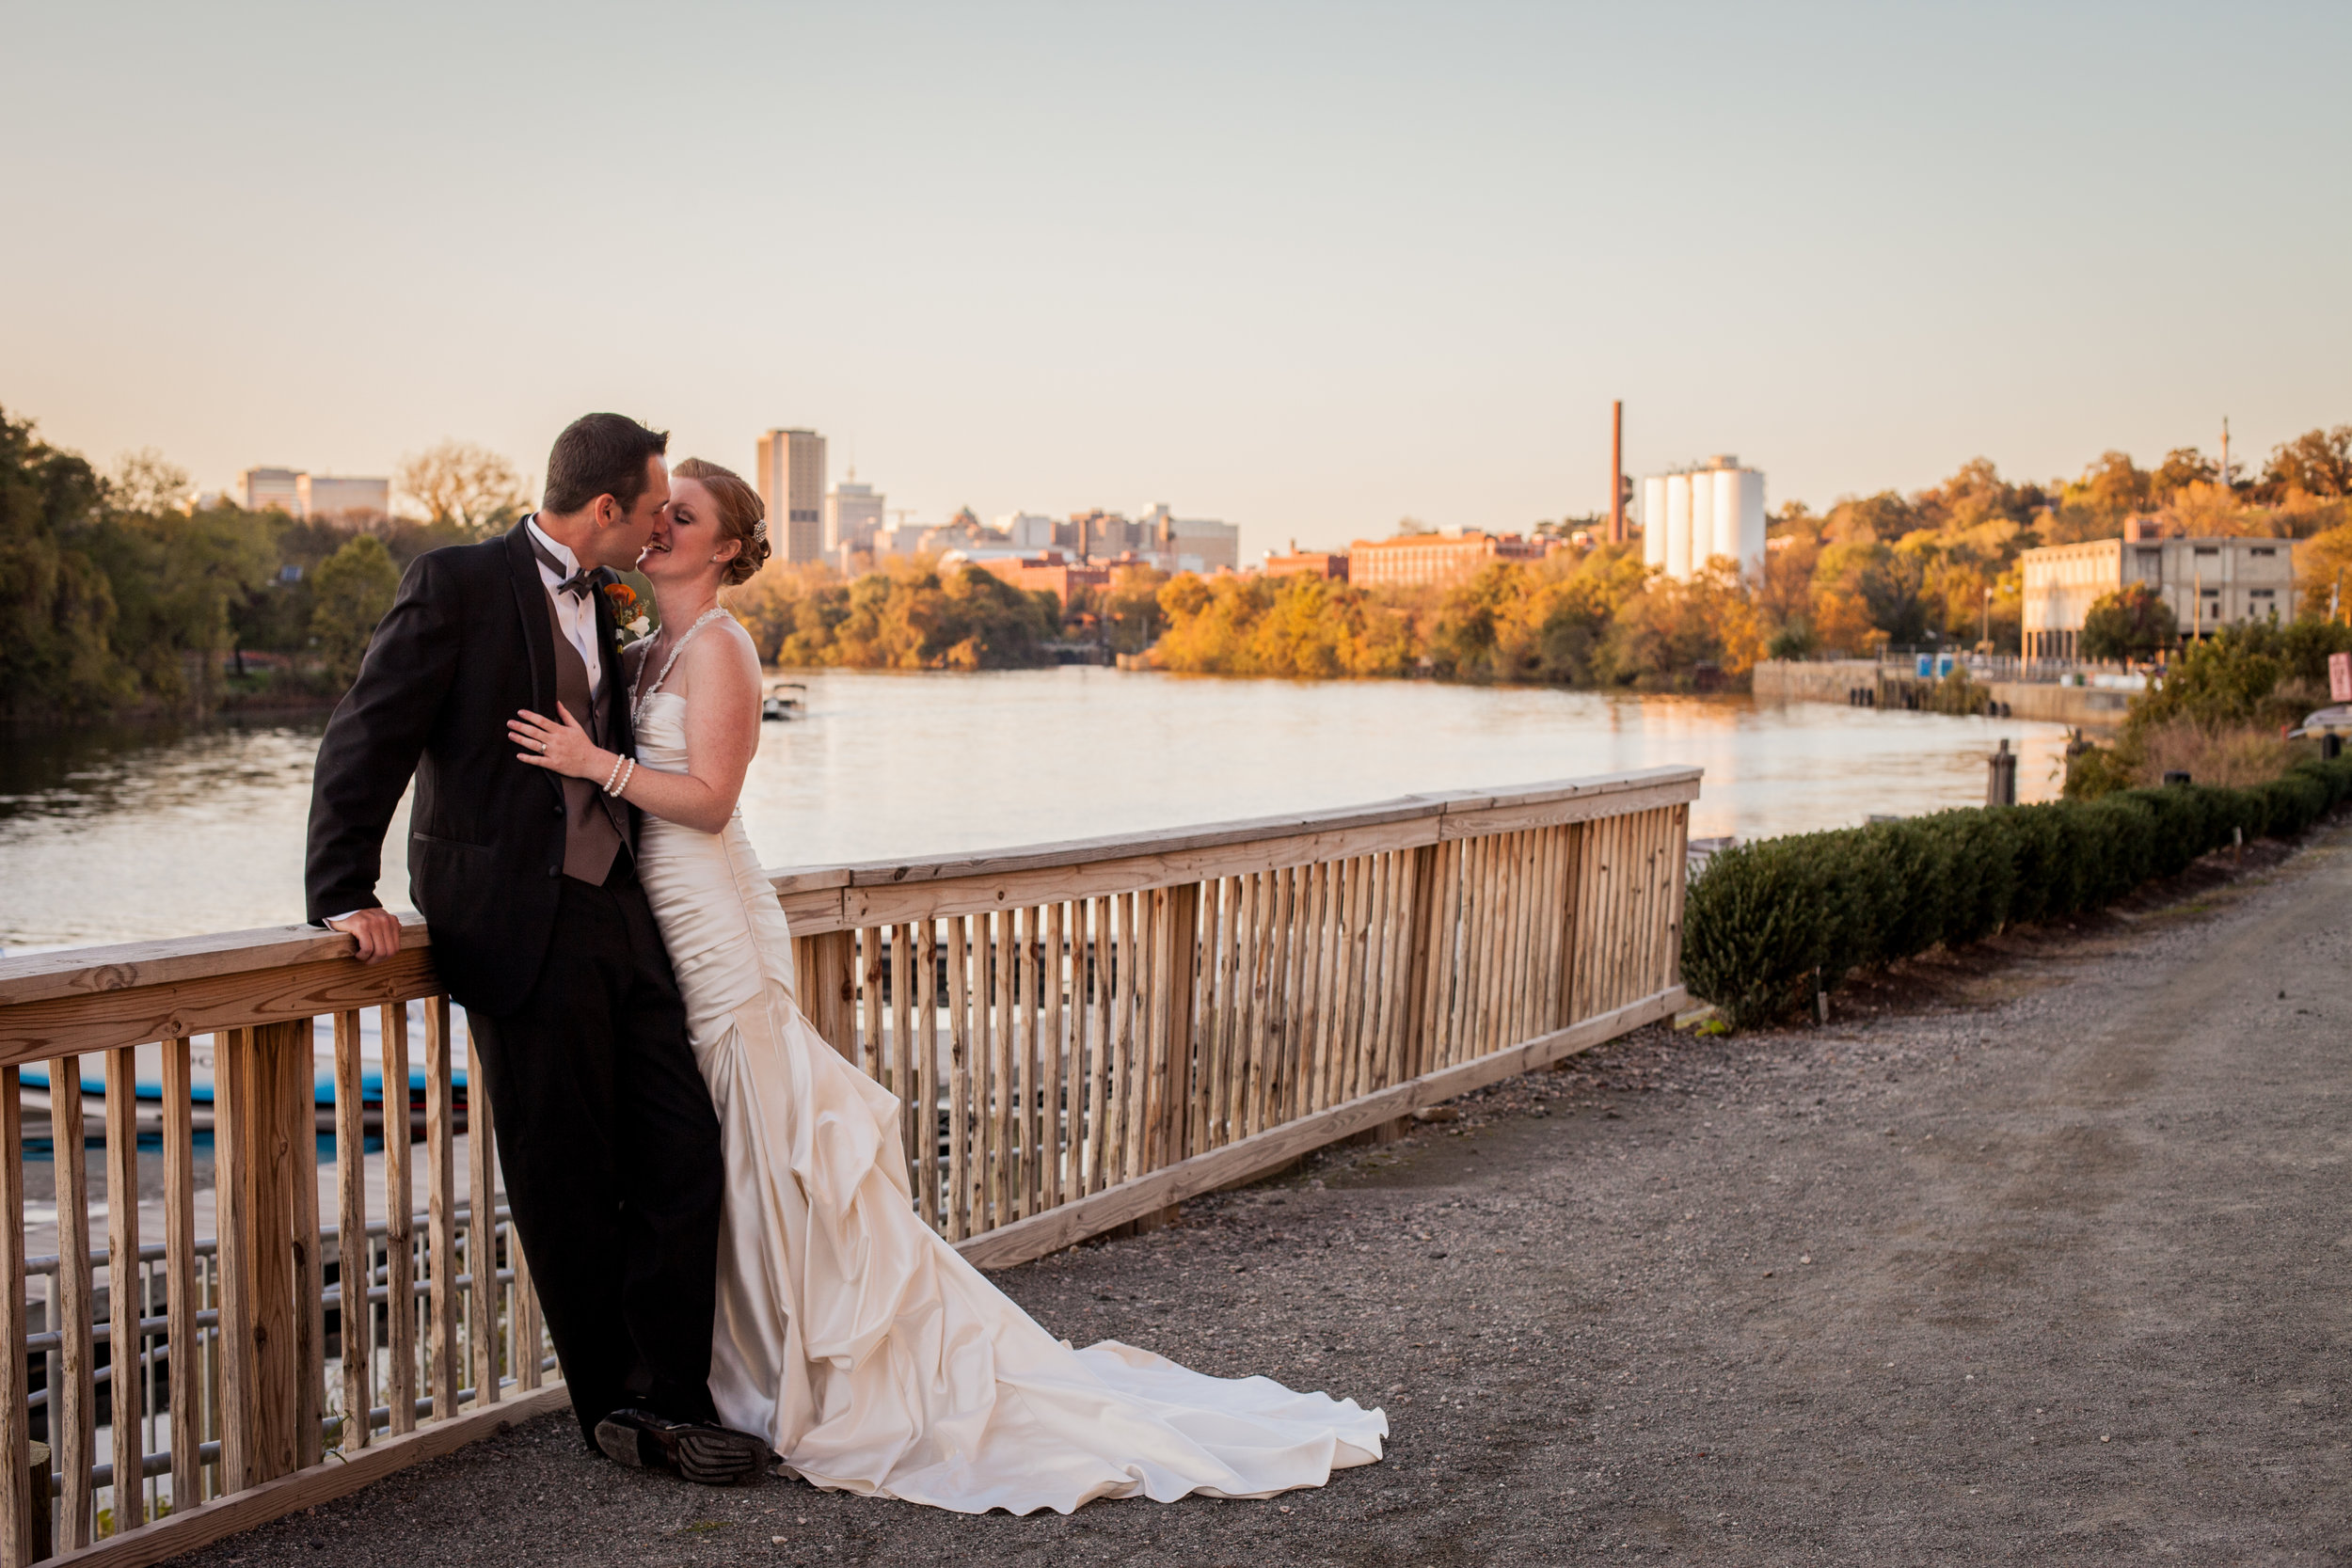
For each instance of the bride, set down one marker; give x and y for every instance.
(868, 1352)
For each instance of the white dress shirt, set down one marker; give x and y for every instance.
(575, 614)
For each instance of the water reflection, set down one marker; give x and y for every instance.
(117, 835)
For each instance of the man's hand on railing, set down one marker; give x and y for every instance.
(378, 932)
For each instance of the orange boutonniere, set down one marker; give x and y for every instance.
(628, 619)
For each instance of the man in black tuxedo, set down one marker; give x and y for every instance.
(539, 928)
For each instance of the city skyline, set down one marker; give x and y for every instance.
(1311, 269)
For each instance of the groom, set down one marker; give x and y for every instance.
(529, 888)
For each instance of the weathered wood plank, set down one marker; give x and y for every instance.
(186, 1364)
(126, 1303)
(73, 1435)
(959, 1078)
(16, 1490)
(399, 1238)
(102, 1019)
(355, 1268)
(482, 1232)
(441, 1206)
(306, 1351)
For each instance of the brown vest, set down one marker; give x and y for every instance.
(596, 826)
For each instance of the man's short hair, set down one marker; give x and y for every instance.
(600, 454)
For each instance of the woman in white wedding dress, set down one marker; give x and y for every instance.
(873, 1356)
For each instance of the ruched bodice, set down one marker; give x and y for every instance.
(872, 1356)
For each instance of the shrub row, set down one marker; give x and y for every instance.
(1763, 917)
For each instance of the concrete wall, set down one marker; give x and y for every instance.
(1780, 680)
(1833, 680)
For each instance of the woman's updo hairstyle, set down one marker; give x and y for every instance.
(743, 516)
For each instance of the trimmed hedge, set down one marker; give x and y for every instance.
(1762, 917)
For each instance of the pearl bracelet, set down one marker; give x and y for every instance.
(621, 788)
(617, 760)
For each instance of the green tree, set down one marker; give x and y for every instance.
(56, 608)
(2132, 623)
(352, 591)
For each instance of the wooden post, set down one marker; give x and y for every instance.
(280, 1112)
(186, 1363)
(307, 1362)
(354, 1270)
(440, 1117)
(1177, 960)
(481, 1230)
(125, 1302)
(16, 1442)
(73, 1428)
(400, 1227)
(830, 982)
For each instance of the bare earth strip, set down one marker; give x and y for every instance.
(2036, 1261)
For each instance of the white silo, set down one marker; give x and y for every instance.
(1679, 527)
(1654, 523)
(1749, 509)
(1723, 486)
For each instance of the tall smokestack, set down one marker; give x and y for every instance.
(1616, 472)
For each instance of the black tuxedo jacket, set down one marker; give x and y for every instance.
(467, 642)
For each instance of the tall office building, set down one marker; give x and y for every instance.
(791, 480)
(853, 514)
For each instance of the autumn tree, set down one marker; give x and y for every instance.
(468, 489)
(2317, 462)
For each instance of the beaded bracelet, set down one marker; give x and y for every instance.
(617, 760)
(622, 788)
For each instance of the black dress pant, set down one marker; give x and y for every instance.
(610, 1150)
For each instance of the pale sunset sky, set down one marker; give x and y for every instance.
(1307, 268)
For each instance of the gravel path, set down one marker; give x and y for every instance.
(2030, 1256)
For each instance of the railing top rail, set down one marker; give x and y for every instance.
(52, 1002)
(1462, 803)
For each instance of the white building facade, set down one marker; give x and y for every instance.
(263, 489)
(2209, 584)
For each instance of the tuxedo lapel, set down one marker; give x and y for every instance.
(531, 603)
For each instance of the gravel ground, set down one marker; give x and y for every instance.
(2029, 1255)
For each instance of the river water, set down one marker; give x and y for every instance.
(121, 835)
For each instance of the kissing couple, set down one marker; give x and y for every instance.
(712, 1201)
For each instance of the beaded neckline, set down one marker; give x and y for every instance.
(639, 699)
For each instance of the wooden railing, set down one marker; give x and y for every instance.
(1083, 1035)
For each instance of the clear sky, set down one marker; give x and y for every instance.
(1304, 268)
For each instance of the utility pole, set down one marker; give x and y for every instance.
(1616, 472)
(2225, 452)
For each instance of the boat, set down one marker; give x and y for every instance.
(777, 706)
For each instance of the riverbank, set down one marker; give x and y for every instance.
(2028, 1256)
(1843, 681)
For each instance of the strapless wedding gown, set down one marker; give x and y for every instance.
(872, 1356)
